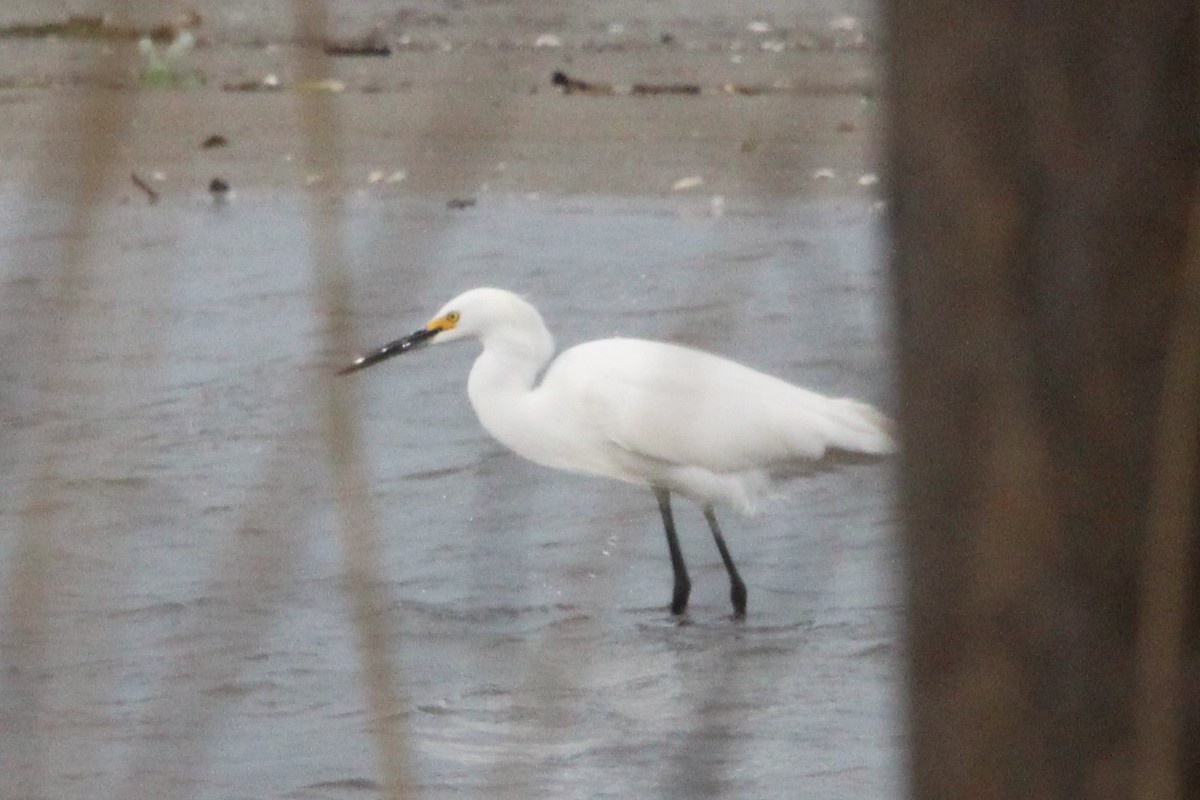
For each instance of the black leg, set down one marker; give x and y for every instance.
(683, 586)
(737, 589)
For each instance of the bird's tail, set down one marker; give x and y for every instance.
(860, 428)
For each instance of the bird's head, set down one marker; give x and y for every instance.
(475, 314)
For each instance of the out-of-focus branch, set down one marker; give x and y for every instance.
(1171, 538)
(1044, 173)
(340, 431)
(99, 118)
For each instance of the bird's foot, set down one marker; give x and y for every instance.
(737, 594)
(680, 593)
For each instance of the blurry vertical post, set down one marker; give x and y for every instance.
(1043, 179)
(99, 119)
(340, 432)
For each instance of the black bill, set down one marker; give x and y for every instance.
(411, 342)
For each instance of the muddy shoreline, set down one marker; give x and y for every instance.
(465, 101)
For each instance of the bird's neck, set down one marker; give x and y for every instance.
(501, 384)
(501, 374)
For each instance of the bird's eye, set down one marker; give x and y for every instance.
(452, 317)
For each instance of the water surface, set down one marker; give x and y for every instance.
(197, 634)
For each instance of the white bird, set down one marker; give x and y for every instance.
(649, 413)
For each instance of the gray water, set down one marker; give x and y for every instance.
(197, 637)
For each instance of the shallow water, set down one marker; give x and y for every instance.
(196, 637)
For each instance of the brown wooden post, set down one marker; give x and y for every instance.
(1043, 173)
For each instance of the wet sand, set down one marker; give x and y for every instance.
(197, 638)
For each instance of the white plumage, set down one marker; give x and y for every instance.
(651, 413)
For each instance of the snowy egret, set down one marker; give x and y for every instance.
(649, 413)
